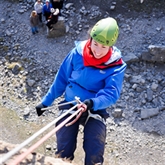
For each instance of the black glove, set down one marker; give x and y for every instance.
(38, 109)
(89, 104)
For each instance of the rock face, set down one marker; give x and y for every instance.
(33, 158)
(29, 63)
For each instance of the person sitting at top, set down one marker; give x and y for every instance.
(53, 18)
(38, 8)
(46, 9)
(57, 4)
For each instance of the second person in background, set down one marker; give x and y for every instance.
(53, 18)
(38, 8)
(46, 9)
(34, 22)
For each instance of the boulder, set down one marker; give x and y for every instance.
(33, 158)
(59, 29)
(156, 53)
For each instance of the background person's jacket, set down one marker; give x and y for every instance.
(34, 21)
(38, 7)
(46, 9)
(53, 18)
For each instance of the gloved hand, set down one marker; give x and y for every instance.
(89, 103)
(86, 105)
(38, 109)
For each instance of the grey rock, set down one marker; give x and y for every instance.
(149, 94)
(147, 113)
(154, 86)
(8, 33)
(130, 57)
(30, 82)
(117, 113)
(16, 69)
(136, 79)
(26, 111)
(112, 7)
(68, 5)
(21, 11)
(2, 20)
(32, 158)
(156, 53)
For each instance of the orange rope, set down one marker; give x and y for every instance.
(37, 144)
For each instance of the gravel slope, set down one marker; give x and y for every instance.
(130, 140)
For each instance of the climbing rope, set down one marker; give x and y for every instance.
(21, 157)
(48, 135)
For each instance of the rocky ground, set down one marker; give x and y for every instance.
(136, 128)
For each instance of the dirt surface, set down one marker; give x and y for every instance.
(130, 140)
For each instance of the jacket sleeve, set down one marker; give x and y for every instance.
(111, 92)
(31, 21)
(35, 7)
(60, 82)
(43, 10)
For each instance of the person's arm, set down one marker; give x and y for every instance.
(31, 21)
(50, 6)
(43, 10)
(111, 92)
(60, 82)
(56, 11)
(35, 6)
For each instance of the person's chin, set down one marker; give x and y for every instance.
(97, 57)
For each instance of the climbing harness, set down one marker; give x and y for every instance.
(95, 116)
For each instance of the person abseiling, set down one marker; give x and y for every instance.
(94, 72)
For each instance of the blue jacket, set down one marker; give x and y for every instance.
(46, 9)
(103, 86)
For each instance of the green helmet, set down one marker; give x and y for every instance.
(105, 31)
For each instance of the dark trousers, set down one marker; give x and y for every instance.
(49, 24)
(93, 144)
(40, 17)
(47, 15)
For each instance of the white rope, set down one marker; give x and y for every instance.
(15, 150)
(18, 159)
(49, 108)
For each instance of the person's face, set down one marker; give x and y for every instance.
(98, 49)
